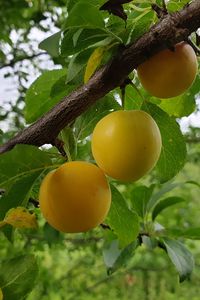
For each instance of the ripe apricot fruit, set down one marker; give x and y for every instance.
(169, 73)
(126, 144)
(76, 197)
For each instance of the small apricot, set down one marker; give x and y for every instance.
(126, 144)
(76, 197)
(169, 73)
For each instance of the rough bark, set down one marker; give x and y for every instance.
(171, 29)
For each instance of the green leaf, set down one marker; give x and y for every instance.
(179, 106)
(111, 253)
(133, 99)
(165, 203)
(71, 3)
(51, 44)
(77, 40)
(182, 105)
(51, 235)
(176, 5)
(77, 65)
(84, 15)
(60, 88)
(115, 27)
(180, 257)
(20, 169)
(122, 221)
(173, 154)
(150, 242)
(115, 258)
(38, 97)
(138, 25)
(85, 124)
(70, 142)
(164, 189)
(18, 277)
(140, 197)
(22, 161)
(194, 183)
(2, 57)
(19, 193)
(192, 233)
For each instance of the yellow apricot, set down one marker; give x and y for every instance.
(76, 197)
(126, 144)
(169, 73)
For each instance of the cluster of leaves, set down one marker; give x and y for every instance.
(19, 20)
(88, 38)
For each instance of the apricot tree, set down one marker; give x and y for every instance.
(100, 46)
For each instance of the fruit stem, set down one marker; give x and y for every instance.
(164, 5)
(160, 11)
(123, 90)
(123, 97)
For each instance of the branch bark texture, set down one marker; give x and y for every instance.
(171, 29)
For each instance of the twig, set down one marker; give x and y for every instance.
(131, 269)
(164, 5)
(21, 58)
(192, 140)
(126, 82)
(105, 226)
(160, 11)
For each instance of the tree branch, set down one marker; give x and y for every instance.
(171, 29)
(192, 140)
(21, 58)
